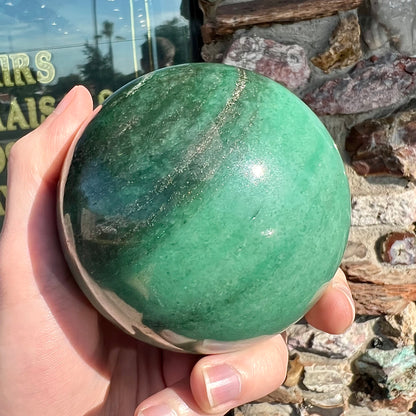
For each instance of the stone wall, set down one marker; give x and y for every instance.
(354, 63)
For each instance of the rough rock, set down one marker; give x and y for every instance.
(214, 52)
(326, 400)
(286, 64)
(306, 338)
(373, 84)
(365, 411)
(294, 372)
(399, 248)
(392, 21)
(284, 395)
(400, 328)
(384, 146)
(345, 46)
(394, 209)
(318, 411)
(373, 299)
(355, 249)
(326, 379)
(373, 402)
(326, 385)
(380, 274)
(265, 409)
(394, 371)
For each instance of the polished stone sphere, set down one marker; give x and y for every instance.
(205, 206)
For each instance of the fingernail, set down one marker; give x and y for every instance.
(347, 293)
(223, 384)
(64, 103)
(158, 410)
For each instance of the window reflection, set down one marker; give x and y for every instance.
(48, 46)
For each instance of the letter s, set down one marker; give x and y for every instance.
(46, 71)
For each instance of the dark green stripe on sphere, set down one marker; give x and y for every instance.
(211, 200)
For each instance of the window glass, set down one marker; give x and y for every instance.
(47, 46)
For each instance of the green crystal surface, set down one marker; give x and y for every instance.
(211, 200)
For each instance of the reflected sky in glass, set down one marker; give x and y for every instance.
(63, 27)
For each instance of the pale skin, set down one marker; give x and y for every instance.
(58, 356)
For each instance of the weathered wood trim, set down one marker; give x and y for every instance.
(230, 17)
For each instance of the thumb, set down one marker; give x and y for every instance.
(35, 160)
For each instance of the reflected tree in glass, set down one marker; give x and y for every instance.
(108, 28)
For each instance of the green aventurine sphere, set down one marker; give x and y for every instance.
(204, 206)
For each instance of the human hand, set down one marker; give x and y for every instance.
(58, 356)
